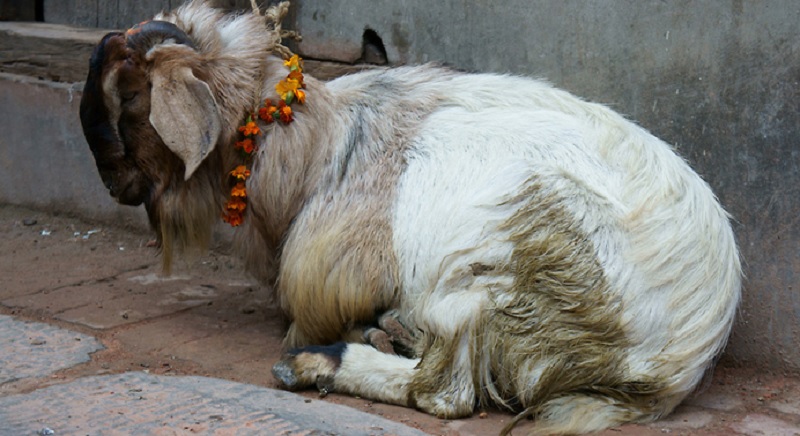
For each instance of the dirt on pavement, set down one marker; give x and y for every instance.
(208, 318)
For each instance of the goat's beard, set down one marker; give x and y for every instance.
(184, 217)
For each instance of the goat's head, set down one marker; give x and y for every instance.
(145, 111)
(157, 101)
(151, 120)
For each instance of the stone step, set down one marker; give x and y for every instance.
(47, 51)
(61, 53)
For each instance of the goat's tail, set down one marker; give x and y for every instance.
(579, 413)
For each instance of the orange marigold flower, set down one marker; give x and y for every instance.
(241, 172)
(293, 63)
(286, 114)
(235, 204)
(265, 114)
(250, 129)
(297, 76)
(301, 96)
(249, 147)
(239, 190)
(235, 219)
(246, 144)
(268, 111)
(233, 211)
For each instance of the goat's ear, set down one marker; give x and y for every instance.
(184, 113)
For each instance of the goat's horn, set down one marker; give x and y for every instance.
(105, 145)
(146, 35)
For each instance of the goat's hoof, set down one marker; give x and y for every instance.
(324, 385)
(401, 337)
(284, 372)
(380, 340)
(304, 367)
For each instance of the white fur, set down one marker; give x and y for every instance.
(368, 372)
(466, 163)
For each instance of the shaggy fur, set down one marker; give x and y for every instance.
(549, 256)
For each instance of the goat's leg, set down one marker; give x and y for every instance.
(356, 369)
(362, 370)
(440, 383)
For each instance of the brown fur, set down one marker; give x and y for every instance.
(564, 314)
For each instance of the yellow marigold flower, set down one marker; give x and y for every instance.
(285, 86)
(239, 190)
(301, 96)
(293, 63)
(250, 129)
(241, 172)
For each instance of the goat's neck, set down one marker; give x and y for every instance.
(291, 159)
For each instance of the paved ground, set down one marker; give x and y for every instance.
(93, 340)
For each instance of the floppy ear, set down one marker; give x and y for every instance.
(184, 113)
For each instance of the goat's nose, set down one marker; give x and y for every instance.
(109, 183)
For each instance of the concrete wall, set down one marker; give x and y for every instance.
(718, 79)
(117, 14)
(44, 161)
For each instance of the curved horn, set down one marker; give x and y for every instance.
(106, 147)
(124, 181)
(145, 36)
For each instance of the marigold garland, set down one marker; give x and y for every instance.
(289, 90)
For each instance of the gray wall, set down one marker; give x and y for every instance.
(117, 14)
(44, 160)
(718, 79)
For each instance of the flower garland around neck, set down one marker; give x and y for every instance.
(290, 90)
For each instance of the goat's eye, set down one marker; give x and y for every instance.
(127, 96)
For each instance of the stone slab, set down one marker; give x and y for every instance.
(716, 400)
(763, 425)
(29, 349)
(685, 418)
(787, 406)
(48, 51)
(139, 403)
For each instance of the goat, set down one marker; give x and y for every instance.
(545, 255)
